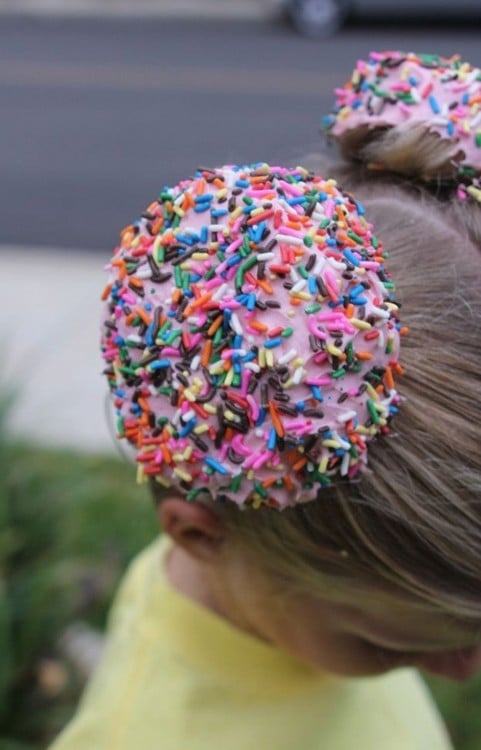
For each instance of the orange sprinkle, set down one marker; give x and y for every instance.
(200, 187)
(364, 355)
(143, 403)
(349, 310)
(214, 326)
(265, 286)
(276, 422)
(300, 463)
(388, 379)
(144, 315)
(258, 326)
(207, 350)
(106, 292)
(269, 482)
(404, 331)
(288, 483)
(136, 282)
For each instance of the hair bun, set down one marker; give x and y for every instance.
(251, 336)
(412, 114)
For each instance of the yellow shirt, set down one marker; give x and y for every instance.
(175, 676)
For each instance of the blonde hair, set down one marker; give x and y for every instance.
(412, 523)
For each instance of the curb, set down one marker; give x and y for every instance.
(236, 10)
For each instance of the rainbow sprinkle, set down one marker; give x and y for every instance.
(251, 336)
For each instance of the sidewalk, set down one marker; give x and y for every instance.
(50, 331)
(247, 10)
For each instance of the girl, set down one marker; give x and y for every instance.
(312, 446)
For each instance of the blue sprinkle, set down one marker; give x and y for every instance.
(119, 340)
(261, 417)
(433, 102)
(242, 183)
(349, 256)
(450, 128)
(358, 300)
(249, 357)
(160, 364)
(204, 198)
(297, 200)
(188, 427)
(204, 234)
(233, 260)
(271, 443)
(360, 208)
(311, 284)
(149, 335)
(215, 465)
(316, 392)
(272, 343)
(219, 212)
(251, 302)
(465, 98)
(201, 207)
(148, 306)
(331, 241)
(413, 80)
(300, 405)
(237, 343)
(358, 289)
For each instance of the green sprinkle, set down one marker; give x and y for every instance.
(121, 426)
(260, 490)
(303, 272)
(172, 336)
(315, 307)
(127, 370)
(235, 483)
(477, 138)
(375, 242)
(287, 332)
(308, 241)
(372, 411)
(336, 374)
(178, 277)
(355, 237)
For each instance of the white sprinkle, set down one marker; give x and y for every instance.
(345, 464)
(216, 227)
(220, 291)
(235, 324)
(299, 286)
(343, 418)
(144, 273)
(380, 312)
(252, 366)
(287, 356)
(265, 256)
(288, 240)
(195, 363)
(188, 415)
(298, 375)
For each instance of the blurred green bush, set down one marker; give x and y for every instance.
(69, 524)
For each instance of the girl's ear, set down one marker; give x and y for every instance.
(192, 526)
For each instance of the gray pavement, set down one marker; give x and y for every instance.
(51, 360)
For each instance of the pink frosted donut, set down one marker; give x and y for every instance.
(393, 88)
(250, 335)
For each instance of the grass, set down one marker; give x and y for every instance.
(69, 524)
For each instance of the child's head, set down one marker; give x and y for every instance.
(387, 556)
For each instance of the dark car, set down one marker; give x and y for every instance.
(320, 18)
